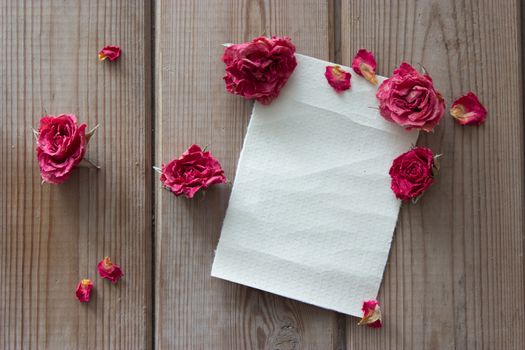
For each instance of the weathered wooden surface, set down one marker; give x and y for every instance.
(456, 264)
(52, 236)
(193, 310)
(455, 277)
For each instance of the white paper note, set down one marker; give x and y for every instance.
(311, 214)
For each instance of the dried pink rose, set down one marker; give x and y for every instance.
(108, 270)
(193, 171)
(84, 289)
(61, 145)
(110, 52)
(338, 78)
(259, 69)
(364, 64)
(371, 314)
(409, 99)
(467, 110)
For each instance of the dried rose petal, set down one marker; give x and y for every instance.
(337, 78)
(371, 314)
(467, 110)
(109, 270)
(110, 52)
(364, 64)
(84, 289)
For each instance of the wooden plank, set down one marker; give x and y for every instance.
(455, 274)
(194, 311)
(52, 236)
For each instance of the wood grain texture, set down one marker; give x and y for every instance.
(455, 275)
(193, 310)
(52, 236)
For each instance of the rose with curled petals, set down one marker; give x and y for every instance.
(409, 99)
(364, 64)
(83, 291)
(110, 52)
(338, 78)
(412, 173)
(260, 68)
(61, 145)
(193, 171)
(467, 110)
(371, 314)
(108, 270)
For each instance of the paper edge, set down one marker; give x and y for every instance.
(249, 285)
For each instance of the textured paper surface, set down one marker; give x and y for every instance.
(311, 214)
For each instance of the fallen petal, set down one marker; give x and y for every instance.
(108, 270)
(110, 52)
(84, 289)
(337, 78)
(371, 314)
(467, 110)
(364, 64)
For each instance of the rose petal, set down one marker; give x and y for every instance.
(110, 52)
(468, 110)
(108, 270)
(364, 64)
(337, 78)
(371, 314)
(83, 291)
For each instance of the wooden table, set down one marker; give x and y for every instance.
(455, 276)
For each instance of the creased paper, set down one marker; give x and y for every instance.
(311, 214)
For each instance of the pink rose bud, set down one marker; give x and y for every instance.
(467, 110)
(193, 171)
(109, 52)
(84, 289)
(61, 145)
(371, 314)
(412, 173)
(364, 64)
(337, 78)
(109, 270)
(260, 68)
(408, 98)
